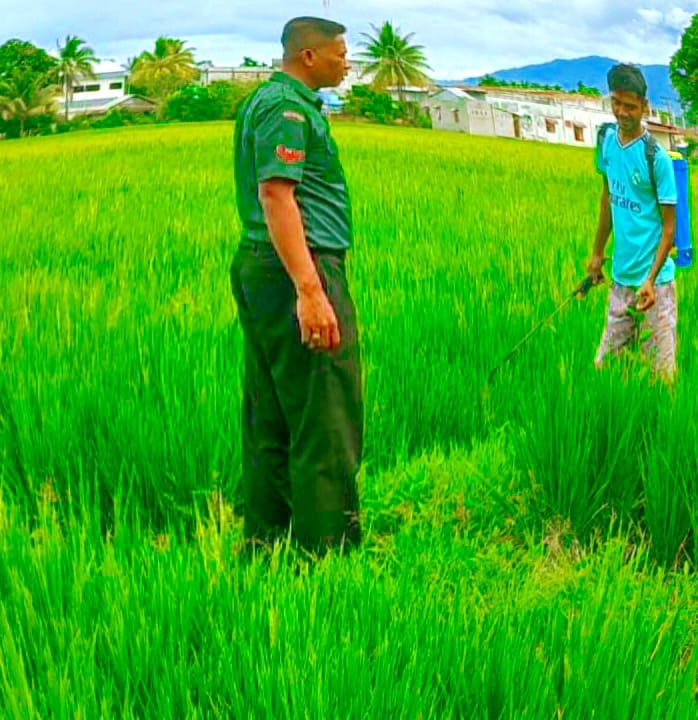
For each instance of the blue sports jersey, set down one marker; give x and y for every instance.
(637, 220)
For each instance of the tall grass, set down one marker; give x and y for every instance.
(529, 540)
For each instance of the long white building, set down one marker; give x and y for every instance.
(543, 115)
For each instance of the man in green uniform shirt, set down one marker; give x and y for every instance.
(302, 422)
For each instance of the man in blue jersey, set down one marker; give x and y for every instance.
(642, 218)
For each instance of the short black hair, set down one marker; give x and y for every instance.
(302, 32)
(627, 77)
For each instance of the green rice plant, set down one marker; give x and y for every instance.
(670, 484)
(530, 541)
(137, 626)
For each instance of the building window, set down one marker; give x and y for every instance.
(92, 88)
(116, 85)
(550, 125)
(579, 133)
(456, 117)
(78, 89)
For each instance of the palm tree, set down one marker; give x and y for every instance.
(161, 73)
(393, 60)
(24, 95)
(75, 60)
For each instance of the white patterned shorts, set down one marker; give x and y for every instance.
(624, 328)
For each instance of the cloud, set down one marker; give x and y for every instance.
(652, 17)
(460, 38)
(675, 19)
(678, 19)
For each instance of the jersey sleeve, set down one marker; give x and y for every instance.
(664, 174)
(280, 141)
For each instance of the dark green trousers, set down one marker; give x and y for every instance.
(302, 424)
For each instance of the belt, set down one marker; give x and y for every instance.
(259, 247)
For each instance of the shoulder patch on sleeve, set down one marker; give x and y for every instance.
(293, 115)
(290, 156)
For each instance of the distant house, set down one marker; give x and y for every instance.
(670, 136)
(410, 93)
(455, 109)
(331, 101)
(358, 75)
(211, 73)
(104, 92)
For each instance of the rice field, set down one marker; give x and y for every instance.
(530, 542)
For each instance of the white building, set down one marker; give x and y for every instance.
(670, 136)
(211, 73)
(552, 116)
(358, 75)
(107, 90)
(460, 111)
(543, 115)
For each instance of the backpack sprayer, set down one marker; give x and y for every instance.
(682, 236)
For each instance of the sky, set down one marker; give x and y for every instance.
(461, 38)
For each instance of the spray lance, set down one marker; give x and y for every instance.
(580, 291)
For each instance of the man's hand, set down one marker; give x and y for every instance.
(646, 296)
(317, 320)
(594, 268)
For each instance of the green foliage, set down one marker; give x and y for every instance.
(393, 60)
(25, 96)
(363, 101)
(161, 73)
(228, 96)
(117, 118)
(113, 119)
(683, 70)
(190, 104)
(28, 76)
(218, 101)
(250, 62)
(492, 81)
(582, 89)
(19, 55)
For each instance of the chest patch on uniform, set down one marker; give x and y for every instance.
(293, 115)
(289, 156)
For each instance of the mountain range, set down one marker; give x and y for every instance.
(591, 71)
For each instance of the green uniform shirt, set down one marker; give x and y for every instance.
(280, 133)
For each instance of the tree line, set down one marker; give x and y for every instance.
(32, 81)
(581, 89)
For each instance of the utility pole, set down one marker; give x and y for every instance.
(671, 117)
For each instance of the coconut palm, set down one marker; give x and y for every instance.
(75, 61)
(393, 60)
(161, 73)
(24, 95)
